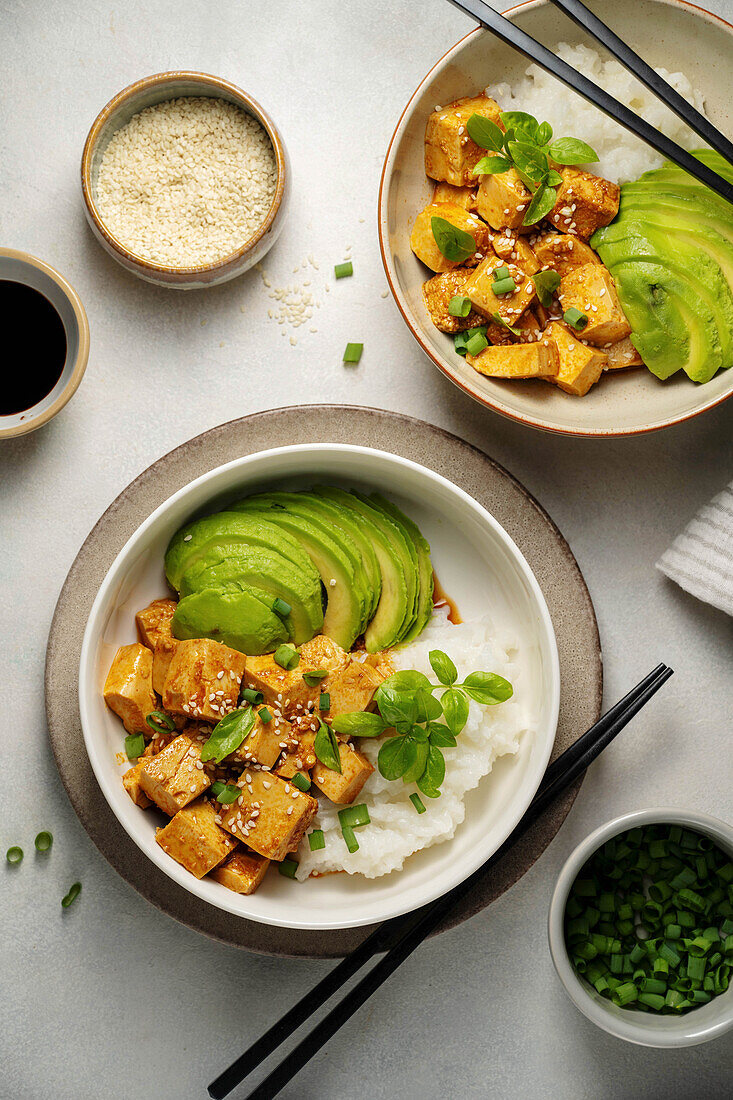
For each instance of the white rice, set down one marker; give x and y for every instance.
(396, 829)
(623, 156)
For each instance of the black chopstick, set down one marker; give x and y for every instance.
(412, 928)
(599, 97)
(636, 65)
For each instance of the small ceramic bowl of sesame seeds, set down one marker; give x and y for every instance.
(185, 180)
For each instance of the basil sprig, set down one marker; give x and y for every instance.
(228, 735)
(545, 284)
(326, 748)
(454, 243)
(526, 145)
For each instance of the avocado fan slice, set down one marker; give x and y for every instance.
(395, 611)
(236, 615)
(424, 563)
(338, 569)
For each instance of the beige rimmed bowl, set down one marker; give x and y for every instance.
(21, 267)
(118, 112)
(623, 402)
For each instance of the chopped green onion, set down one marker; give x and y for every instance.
(251, 696)
(280, 607)
(314, 677)
(354, 816)
(459, 306)
(575, 318)
(353, 353)
(72, 895)
(342, 271)
(14, 855)
(226, 793)
(317, 840)
(43, 841)
(500, 273)
(324, 701)
(476, 344)
(287, 657)
(288, 867)
(159, 722)
(301, 781)
(265, 715)
(134, 745)
(417, 803)
(504, 286)
(350, 839)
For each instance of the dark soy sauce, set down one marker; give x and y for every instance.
(34, 350)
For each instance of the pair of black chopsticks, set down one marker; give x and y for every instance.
(406, 933)
(504, 29)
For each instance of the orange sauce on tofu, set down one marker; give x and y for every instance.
(442, 599)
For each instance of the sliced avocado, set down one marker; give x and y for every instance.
(237, 615)
(356, 528)
(424, 563)
(339, 569)
(395, 612)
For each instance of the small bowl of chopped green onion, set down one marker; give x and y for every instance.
(641, 927)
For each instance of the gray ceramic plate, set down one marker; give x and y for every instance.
(539, 540)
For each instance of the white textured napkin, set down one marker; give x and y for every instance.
(700, 560)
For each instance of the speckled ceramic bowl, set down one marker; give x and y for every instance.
(623, 402)
(117, 113)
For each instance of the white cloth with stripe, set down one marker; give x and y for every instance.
(700, 560)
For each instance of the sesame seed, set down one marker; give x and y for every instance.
(266, 785)
(289, 810)
(187, 538)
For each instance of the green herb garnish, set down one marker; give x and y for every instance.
(342, 271)
(460, 340)
(353, 353)
(476, 344)
(281, 607)
(251, 696)
(326, 748)
(134, 745)
(316, 840)
(72, 895)
(314, 677)
(288, 867)
(499, 320)
(302, 782)
(575, 318)
(355, 816)
(359, 723)
(350, 839)
(228, 735)
(159, 722)
(459, 306)
(265, 714)
(500, 273)
(545, 284)
(44, 841)
(287, 657)
(226, 793)
(324, 701)
(504, 286)
(453, 243)
(14, 855)
(417, 803)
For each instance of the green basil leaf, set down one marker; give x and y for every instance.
(454, 243)
(434, 774)
(491, 166)
(485, 132)
(546, 283)
(499, 320)
(134, 745)
(228, 735)
(419, 733)
(542, 203)
(397, 709)
(570, 150)
(428, 707)
(326, 748)
(553, 178)
(544, 133)
(520, 121)
(455, 709)
(441, 736)
(359, 723)
(529, 161)
(443, 667)
(415, 770)
(396, 756)
(487, 688)
(408, 681)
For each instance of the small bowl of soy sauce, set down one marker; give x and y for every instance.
(46, 342)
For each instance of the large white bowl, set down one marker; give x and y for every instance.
(481, 568)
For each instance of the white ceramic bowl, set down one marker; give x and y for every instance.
(481, 568)
(643, 1028)
(623, 402)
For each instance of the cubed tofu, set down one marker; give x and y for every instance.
(579, 366)
(270, 816)
(194, 839)
(154, 622)
(423, 243)
(131, 783)
(538, 360)
(502, 199)
(203, 679)
(530, 328)
(591, 290)
(162, 657)
(450, 154)
(460, 196)
(128, 689)
(584, 203)
(172, 779)
(479, 288)
(299, 755)
(263, 744)
(381, 663)
(242, 872)
(562, 252)
(288, 691)
(343, 787)
(622, 354)
(515, 250)
(437, 293)
(352, 688)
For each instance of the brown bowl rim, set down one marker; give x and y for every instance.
(205, 79)
(487, 402)
(82, 355)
